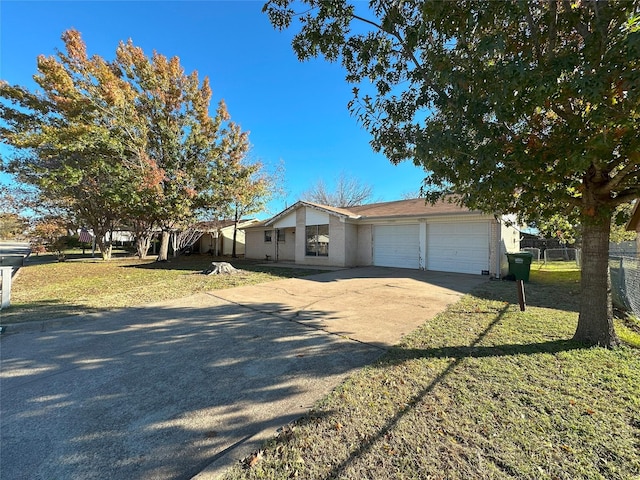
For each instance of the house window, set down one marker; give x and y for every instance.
(267, 236)
(317, 240)
(280, 234)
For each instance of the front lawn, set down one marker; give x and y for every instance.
(48, 290)
(481, 391)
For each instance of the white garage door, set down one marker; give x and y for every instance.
(458, 247)
(396, 246)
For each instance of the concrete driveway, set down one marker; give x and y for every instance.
(185, 388)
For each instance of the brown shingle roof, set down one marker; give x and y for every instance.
(415, 207)
(408, 208)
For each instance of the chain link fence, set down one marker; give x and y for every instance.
(533, 251)
(625, 282)
(623, 265)
(562, 255)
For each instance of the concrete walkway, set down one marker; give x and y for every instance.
(185, 388)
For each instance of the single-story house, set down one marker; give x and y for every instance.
(634, 223)
(217, 236)
(405, 233)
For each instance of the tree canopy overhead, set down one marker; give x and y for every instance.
(128, 141)
(525, 107)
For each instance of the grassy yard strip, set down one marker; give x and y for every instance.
(51, 290)
(481, 391)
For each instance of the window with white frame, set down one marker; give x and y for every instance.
(267, 236)
(317, 240)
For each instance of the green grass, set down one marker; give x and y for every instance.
(482, 391)
(45, 289)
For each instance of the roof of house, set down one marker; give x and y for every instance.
(220, 224)
(342, 212)
(408, 208)
(414, 207)
(634, 221)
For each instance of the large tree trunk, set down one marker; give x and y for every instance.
(105, 246)
(143, 243)
(163, 254)
(143, 231)
(595, 323)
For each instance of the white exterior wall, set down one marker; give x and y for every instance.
(227, 241)
(207, 243)
(423, 244)
(364, 255)
(256, 247)
(286, 222)
(509, 241)
(496, 261)
(337, 238)
(351, 244)
(286, 249)
(314, 217)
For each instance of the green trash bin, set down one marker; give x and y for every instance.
(520, 265)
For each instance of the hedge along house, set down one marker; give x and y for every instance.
(406, 233)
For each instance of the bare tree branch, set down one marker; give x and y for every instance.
(348, 192)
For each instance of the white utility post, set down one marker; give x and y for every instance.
(5, 286)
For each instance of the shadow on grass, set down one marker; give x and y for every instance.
(184, 262)
(539, 292)
(197, 263)
(457, 354)
(399, 355)
(45, 309)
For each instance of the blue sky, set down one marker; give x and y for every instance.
(296, 112)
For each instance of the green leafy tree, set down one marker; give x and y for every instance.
(70, 138)
(128, 141)
(519, 107)
(558, 227)
(621, 217)
(182, 141)
(243, 187)
(50, 234)
(13, 224)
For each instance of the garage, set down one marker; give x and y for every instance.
(458, 247)
(396, 246)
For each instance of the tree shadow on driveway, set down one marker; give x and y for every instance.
(159, 392)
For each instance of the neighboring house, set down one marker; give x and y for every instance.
(405, 233)
(217, 237)
(634, 223)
